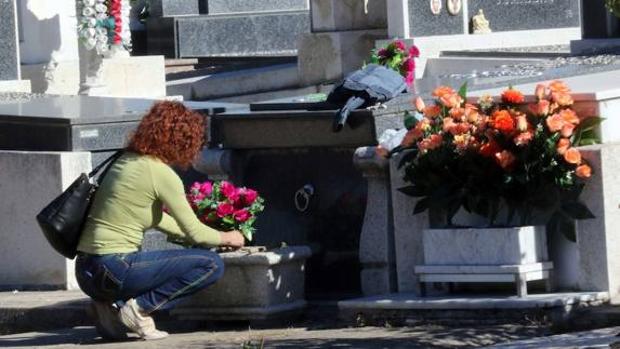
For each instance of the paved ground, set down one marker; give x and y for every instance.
(358, 338)
(58, 320)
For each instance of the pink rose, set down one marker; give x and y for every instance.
(241, 215)
(249, 196)
(414, 51)
(224, 210)
(408, 65)
(206, 188)
(382, 53)
(229, 191)
(400, 45)
(410, 78)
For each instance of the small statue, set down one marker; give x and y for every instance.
(480, 24)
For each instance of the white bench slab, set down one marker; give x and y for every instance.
(519, 274)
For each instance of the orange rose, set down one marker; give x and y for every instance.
(490, 149)
(567, 130)
(460, 128)
(583, 171)
(570, 116)
(512, 97)
(524, 138)
(503, 121)
(562, 99)
(451, 100)
(432, 111)
(448, 124)
(411, 137)
(555, 123)
(419, 104)
(505, 160)
(430, 143)
(563, 145)
(443, 90)
(572, 156)
(541, 108)
(541, 91)
(457, 113)
(558, 86)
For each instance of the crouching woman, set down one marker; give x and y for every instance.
(126, 284)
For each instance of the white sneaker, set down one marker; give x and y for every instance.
(107, 321)
(131, 315)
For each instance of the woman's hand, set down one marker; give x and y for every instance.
(232, 239)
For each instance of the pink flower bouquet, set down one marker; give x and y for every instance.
(225, 207)
(398, 57)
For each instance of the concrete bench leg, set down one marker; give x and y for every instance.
(521, 285)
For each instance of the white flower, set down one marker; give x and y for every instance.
(88, 2)
(92, 22)
(101, 16)
(101, 8)
(102, 38)
(88, 12)
(102, 31)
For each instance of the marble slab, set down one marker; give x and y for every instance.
(527, 14)
(234, 6)
(422, 21)
(492, 246)
(255, 34)
(9, 52)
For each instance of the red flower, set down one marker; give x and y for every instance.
(490, 149)
(229, 191)
(399, 45)
(224, 210)
(241, 215)
(383, 53)
(503, 121)
(512, 97)
(249, 195)
(408, 65)
(414, 51)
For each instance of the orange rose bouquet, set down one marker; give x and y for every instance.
(499, 155)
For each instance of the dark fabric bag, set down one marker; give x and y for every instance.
(62, 220)
(362, 88)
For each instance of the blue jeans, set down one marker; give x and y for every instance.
(158, 280)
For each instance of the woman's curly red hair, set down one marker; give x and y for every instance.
(171, 132)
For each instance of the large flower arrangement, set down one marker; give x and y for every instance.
(499, 155)
(104, 23)
(398, 57)
(225, 207)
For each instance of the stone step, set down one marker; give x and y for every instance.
(234, 83)
(227, 35)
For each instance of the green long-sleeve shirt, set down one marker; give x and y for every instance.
(129, 201)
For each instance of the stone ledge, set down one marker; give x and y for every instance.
(241, 313)
(534, 301)
(273, 257)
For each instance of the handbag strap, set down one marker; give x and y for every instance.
(105, 163)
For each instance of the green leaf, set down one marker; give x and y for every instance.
(577, 210)
(410, 120)
(463, 91)
(412, 190)
(421, 206)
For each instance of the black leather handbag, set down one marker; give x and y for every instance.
(63, 219)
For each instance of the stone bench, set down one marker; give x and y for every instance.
(519, 274)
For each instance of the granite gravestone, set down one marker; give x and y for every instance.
(9, 55)
(507, 15)
(234, 6)
(423, 22)
(166, 8)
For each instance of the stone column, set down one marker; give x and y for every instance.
(377, 236)
(398, 19)
(598, 240)
(408, 228)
